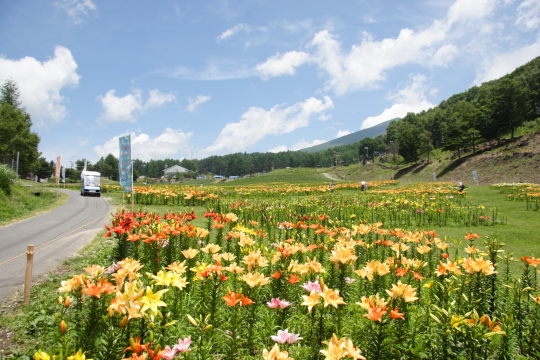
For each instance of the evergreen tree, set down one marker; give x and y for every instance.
(15, 134)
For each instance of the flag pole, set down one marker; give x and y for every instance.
(132, 190)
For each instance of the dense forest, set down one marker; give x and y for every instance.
(482, 113)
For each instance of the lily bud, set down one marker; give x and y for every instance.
(192, 321)
(63, 327)
(124, 321)
(132, 344)
(67, 302)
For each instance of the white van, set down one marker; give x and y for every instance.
(90, 183)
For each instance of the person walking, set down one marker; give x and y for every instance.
(332, 186)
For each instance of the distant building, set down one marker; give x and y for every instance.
(173, 170)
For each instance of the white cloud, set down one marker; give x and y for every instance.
(129, 107)
(466, 10)
(529, 14)
(279, 64)
(280, 148)
(497, 66)
(40, 83)
(157, 99)
(194, 103)
(366, 63)
(410, 99)
(342, 133)
(444, 55)
(232, 31)
(125, 108)
(302, 144)
(257, 123)
(143, 147)
(76, 9)
(217, 69)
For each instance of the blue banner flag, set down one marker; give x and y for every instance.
(124, 164)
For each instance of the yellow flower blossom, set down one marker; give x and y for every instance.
(407, 292)
(312, 300)
(255, 279)
(190, 253)
(331, 297)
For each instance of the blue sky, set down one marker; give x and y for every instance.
(190, 79)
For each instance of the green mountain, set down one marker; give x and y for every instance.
(371, 132)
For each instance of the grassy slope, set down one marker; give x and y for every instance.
(504, 161)
(23, 203)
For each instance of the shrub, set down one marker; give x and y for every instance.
(6, 179)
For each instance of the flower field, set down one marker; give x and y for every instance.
(298, 272)
(529, 193)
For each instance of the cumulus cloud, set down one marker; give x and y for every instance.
(232, 31)
(467, 11)
(40, 83)
(410, 99)
(257, 123)
(77, 9)
(125, 108)
(367, 63)
(129, 107)
(169, 144)
(342, 133)
(500, 65)
(279, 148)
(194, 103)
(282, 64)
(157, 99)
(301, 144)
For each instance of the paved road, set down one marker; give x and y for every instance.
(64, 225)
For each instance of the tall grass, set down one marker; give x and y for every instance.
(6, 179)
(22, 203)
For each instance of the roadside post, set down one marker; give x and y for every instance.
(28, 275)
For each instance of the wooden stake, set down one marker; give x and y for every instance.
(28, 276)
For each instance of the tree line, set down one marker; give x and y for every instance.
(481, 114)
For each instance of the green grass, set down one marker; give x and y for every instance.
(29, 326)
(23, 203)
(519, 234)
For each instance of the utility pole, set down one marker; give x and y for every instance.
(336, 154)
(17, 168)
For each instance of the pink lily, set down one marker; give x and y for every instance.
(183, 345)
(311, 286)
(284, 337)
(275, 303)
